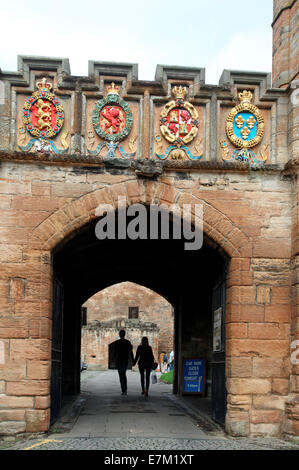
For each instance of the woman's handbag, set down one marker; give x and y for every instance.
(155, 365)
(154, 377)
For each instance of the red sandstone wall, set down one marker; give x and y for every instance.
(248, 215)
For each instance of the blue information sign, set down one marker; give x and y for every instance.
(193, 375)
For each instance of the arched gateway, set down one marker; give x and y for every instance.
(193, 282)
(83, 265)
(69, 145)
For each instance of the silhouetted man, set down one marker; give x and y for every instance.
(123, 353)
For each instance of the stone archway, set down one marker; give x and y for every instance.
(247, 300)
(65, 221)
(222, 234)
(86, 264)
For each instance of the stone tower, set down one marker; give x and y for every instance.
(285, 42)
(286, 76)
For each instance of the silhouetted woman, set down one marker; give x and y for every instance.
(145, 359)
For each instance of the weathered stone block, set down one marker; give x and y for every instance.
(39, 370)
(269, 367)
(28, 387)
(237, 423)
(243, 294)
(266, 429)
(246, 313)
(272, 402)
(41, 328)
(239, 367)
(14, 328)
(278, 313)
(280, 386)
(245, 386)
(239, 402)
(12, 415)
(17, 288)
(263, 331)
(257, 347)
(42, 402)
(265, 416)
(280, 295)
(10, 253)
(37, 420)
(10, 428)
(236, 330)
(13, 370)
(30, 349)
(11, 402)
(263, 295)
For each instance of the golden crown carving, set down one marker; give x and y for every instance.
(43, 84)
(245, 96)
(179, 92)
(113, 89)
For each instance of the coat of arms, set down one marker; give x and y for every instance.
(43, 118)
(245, 128)
(178, 125)
(112, 120)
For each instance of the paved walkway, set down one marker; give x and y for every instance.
(101, 418)
(107, 413)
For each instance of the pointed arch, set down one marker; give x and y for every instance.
(67, 220)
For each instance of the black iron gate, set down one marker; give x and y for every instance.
(56, 372)
(218, 355)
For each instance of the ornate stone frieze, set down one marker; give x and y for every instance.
(176, 119)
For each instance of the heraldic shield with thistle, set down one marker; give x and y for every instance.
(245, 127)
(178, 125)
(112, 120)
(43, 117)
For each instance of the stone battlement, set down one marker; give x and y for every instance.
(146, 124)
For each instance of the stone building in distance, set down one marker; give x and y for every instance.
(137, 310)
(75, 151)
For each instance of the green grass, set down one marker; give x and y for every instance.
(167, 377)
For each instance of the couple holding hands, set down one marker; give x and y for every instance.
(144, 357)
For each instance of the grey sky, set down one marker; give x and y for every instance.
(214, 34)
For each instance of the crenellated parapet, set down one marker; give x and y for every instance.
(176, 118)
